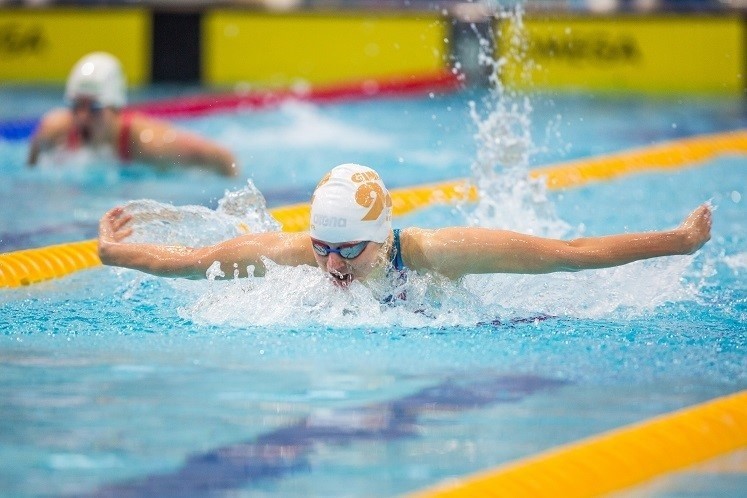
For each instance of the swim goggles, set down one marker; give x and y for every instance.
(93, 106)
(347, 251)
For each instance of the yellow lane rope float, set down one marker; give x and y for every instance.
(665, 156)
(617, 459)
(29, 266)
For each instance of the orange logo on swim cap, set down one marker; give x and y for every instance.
(372, 196)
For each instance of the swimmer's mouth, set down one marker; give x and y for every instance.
(341, 279)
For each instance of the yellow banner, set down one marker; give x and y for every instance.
(650, 54)
(275, 50)
(41, 45)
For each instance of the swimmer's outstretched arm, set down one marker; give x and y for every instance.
(291, 249)
(455, 252)
(51, 128)
(158, 141)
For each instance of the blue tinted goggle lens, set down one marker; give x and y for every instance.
(92, 105)
(347, 251)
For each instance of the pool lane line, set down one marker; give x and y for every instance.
(439, 82)
(290, 448)
(670, 155)
(29, 266)
(614, 460)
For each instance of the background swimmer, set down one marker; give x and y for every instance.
(96, 94)
(351, 239)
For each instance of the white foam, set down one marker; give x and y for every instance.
(736, 261)
(307, 127)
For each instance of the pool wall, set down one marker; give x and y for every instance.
(240, 47)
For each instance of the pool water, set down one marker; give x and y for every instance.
(115, 383)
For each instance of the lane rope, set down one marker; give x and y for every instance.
(617, 459)
(671, 155)
(259, 99)
(30, 266)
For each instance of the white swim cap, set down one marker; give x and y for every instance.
(98, 76)
(351, 203)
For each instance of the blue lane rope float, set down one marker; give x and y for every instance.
(29, 266)
(18, 129)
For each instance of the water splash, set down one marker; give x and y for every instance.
(508, 199)
(309, 299)
(239, 212)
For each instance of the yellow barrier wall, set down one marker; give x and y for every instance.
(629, 53)
(41, 46)
(275, 50)
(646, 53)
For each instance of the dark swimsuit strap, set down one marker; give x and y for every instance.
(397, 271)
(396, 258)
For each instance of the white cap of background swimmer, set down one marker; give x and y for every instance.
(99, 76)
(350, 204)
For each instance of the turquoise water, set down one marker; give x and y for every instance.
(118, 384)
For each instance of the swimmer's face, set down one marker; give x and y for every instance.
(85, 108)
(87, 113)
(341, 269)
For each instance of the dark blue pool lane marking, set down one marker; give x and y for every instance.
(285, 450)
(18, 129)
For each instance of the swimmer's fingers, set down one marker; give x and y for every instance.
(121, 221)
(112, 225)
(122, 234)
(698, 227)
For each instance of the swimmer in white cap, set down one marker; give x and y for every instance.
(97, 121)
(351, 239)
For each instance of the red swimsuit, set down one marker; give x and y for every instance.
(124, 149)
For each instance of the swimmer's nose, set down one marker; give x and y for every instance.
(335, 263)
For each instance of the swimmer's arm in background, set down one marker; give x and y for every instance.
(455, 252)
(52, 129)
(157, 141)
(284, 248)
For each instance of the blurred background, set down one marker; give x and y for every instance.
(599, 45)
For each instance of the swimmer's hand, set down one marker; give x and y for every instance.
(161, 260)
(112, 230)
(113, 225)
(696, 228)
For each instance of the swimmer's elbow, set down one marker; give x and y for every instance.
(573, 256)
(231, 170)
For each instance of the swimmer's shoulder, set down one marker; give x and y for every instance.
(413, 244)
(55, 123)
(431, 250)
(298, 246)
